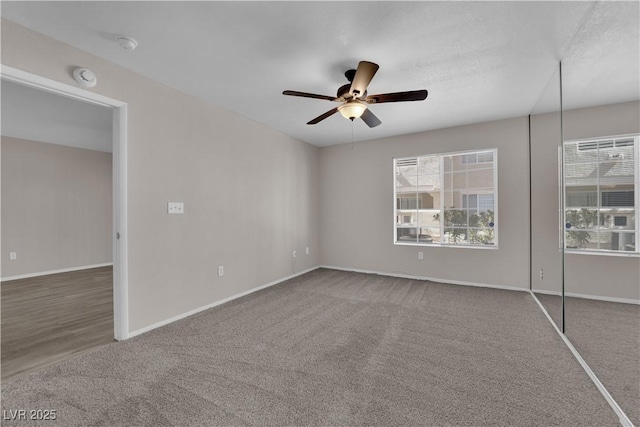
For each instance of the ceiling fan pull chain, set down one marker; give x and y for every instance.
(351, 134)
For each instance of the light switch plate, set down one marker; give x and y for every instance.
(13, 256)
(175, 208)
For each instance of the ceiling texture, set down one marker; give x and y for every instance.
(480, 61)
(36, 115)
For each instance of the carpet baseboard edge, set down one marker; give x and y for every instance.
(591, 297)
(214, 304)
(432, 279)
(62, 270)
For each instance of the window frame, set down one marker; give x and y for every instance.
(440, 160)
(584, 142)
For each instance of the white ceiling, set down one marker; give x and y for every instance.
(37, 115)
(480, 61)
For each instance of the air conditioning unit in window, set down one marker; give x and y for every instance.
(622, 241)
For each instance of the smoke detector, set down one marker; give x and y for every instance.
(127, 43)
(85, 77)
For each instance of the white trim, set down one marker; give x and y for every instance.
(448, 245)
(449, 153)
(441, 169)
(431, 279)
(599, 138)
(603, 252)
(46, 273)
(636, 185)
(591, 297)
(120, 267)
(121, 245)
(622, 417)
(25, 78)
(599, 207)
(395, 200)
(216, 303)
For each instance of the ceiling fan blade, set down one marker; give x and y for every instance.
(370, 119)
(323, 116)
(308, 95)
(365, 72)
(413, 95)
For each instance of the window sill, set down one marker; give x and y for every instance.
(603, 253)
(444, 245)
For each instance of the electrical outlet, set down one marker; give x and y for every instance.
(13, 256)
(175, 208)
(220, 271)
(307, 250)
(541, 274)
(420, 255)
(295, 254)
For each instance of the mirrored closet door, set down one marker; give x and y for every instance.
(601, 126)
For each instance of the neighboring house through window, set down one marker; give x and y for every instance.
(447, 199)
(601, 194)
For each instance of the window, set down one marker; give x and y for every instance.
(449, 199)
(485, 157)
(620, 221)
(477, 203)
(601, 195)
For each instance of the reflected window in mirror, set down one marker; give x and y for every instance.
(601, 202)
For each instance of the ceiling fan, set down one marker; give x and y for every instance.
(354, 98)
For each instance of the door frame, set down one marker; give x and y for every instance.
(119, 192)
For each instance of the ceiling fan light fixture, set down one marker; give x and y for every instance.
(352, 110)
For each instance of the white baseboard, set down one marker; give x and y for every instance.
(46, 273)
(214, 304)
(592, 297)
(432, 279)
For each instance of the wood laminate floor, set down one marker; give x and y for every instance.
(49, 318)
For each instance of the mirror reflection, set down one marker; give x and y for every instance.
(601, 124)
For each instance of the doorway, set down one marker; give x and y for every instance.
(117, 235)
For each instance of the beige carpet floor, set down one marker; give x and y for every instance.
(330, 348)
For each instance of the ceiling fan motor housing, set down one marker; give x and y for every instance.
(343, 92)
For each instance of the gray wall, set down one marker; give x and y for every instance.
(593, 275)
(250, 193)
(357, 207)
(56, 207)
(546, 254)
